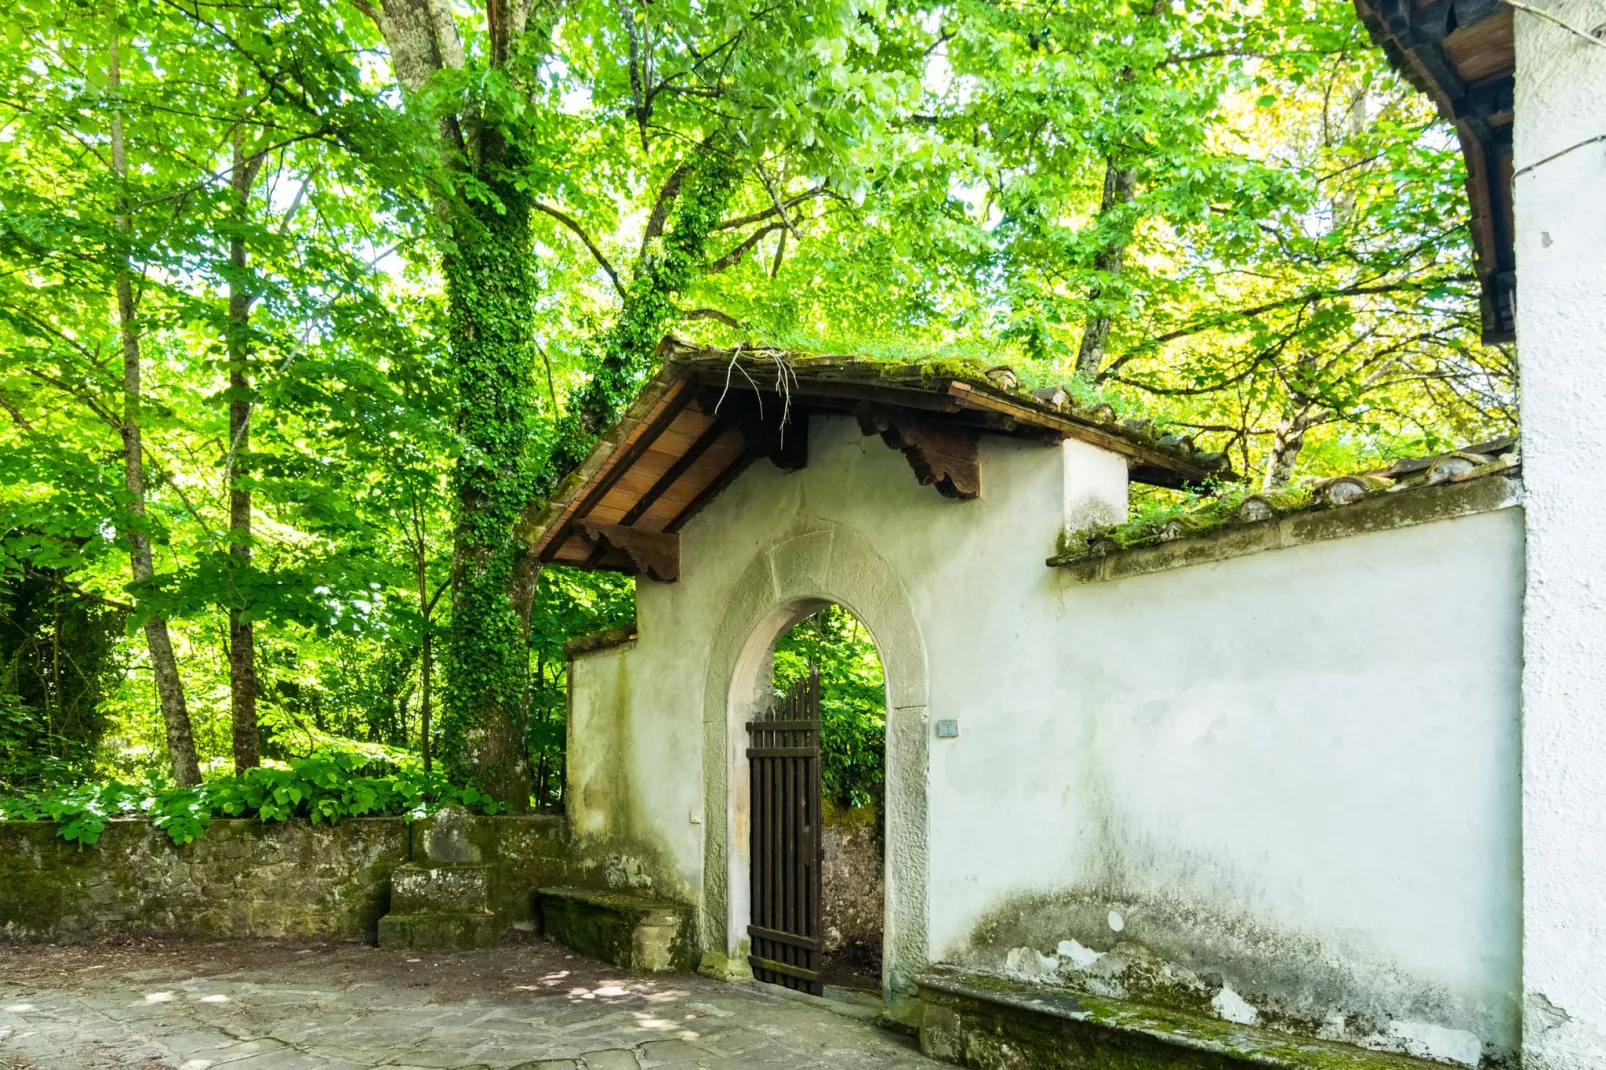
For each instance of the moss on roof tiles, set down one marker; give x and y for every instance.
(1238, 505)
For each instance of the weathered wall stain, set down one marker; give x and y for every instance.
(1172, 954)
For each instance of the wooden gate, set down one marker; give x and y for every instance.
(784, 763)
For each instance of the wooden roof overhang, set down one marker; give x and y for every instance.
(1462, 54)
(707, 416)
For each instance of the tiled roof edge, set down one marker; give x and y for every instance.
(1318, 521)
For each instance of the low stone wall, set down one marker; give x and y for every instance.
(531, 852)
(244, 878)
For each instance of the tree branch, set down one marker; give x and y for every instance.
(91, 596)
(579, 231)
(666, 197)
(735, 255)
(712, 314)
(1225, 318)
(16, 414)
(771, 212)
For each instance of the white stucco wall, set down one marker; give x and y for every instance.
(1293, 773)
(1560, 190)
(1297, 770)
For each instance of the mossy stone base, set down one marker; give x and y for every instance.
(990, 1023)
(629, 931)
(438, 931)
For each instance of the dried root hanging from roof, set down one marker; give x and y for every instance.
(785, 380)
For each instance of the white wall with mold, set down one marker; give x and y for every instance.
(1296, 772)
(1293, 775)
(1560, 194)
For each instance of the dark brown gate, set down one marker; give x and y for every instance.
(784, 763)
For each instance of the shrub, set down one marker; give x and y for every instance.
(326, 787)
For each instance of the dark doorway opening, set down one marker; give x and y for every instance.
(852, 741)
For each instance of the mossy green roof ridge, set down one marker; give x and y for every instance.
(1073, 402)
(1237, 506)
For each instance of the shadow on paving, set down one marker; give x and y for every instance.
(174, 1005)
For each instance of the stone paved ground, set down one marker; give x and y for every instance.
(278, 1006)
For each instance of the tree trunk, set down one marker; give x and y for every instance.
(242, 635)
(169, 687)
(426, 643)
(1120, 185)
(491, 289)
(1285, 446)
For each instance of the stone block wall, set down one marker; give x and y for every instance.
(853, 904)
(244, 878)
(532, 852)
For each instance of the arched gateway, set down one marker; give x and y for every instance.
(1222, 758)
(786, 580)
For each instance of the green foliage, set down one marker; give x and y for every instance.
(460, 272)
(32, 754)
(320, 789)
(58, 658)
(853, 695)
(568, 604)
(626, 353)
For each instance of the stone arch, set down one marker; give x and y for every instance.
(787, 579)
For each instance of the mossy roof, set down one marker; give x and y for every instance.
(691, 432)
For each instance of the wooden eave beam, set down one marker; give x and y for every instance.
(677, 400)
(671, 476)
(760, 423)
(1482, 110)
(742, 462)
(1145, 459)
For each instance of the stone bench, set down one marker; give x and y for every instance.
(993, 1023)
(620, 928)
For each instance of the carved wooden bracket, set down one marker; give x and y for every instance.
(654, 553)
(941, 454)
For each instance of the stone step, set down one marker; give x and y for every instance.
(442, 887)
(438, 930)
(621, 928)
(993, 1023)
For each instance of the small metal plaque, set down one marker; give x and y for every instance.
(947, 729)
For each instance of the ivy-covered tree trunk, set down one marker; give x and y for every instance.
(491, 288)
